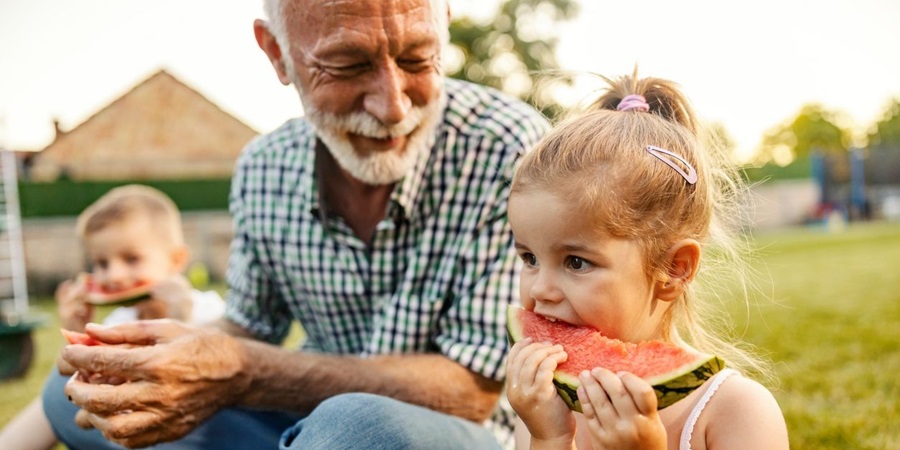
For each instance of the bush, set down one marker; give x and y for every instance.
(69, 198)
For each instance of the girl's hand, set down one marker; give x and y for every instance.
(170, 298)
(620, 411)
(530, 389)
(74, 311)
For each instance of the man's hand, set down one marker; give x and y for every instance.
(175, 378)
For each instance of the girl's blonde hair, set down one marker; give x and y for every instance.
(599, 159)
(133, 202)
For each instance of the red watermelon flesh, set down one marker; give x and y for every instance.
(674, 372)
(74, 337)
(99, 295)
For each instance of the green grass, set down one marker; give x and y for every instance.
(828, 318)
(831, 325)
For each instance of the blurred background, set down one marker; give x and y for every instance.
(804, 95)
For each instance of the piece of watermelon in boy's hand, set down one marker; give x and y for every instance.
(75, 337)
(97, 294)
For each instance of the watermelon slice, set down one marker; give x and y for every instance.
(74, 337)
(674, 372)
(98, 295)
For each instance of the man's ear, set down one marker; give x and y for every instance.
(682, 262)
(269, 45)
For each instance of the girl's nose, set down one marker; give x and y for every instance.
(545, 288)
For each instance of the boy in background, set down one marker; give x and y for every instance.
(131, 236)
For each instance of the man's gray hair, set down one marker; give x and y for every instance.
(275, 13)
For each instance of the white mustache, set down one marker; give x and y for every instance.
(364, 124)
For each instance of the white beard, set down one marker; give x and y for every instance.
(383, 167)
(375, 168)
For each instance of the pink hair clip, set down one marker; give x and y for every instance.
(633, 102)
(666, 156)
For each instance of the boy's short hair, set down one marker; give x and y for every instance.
(131, 202)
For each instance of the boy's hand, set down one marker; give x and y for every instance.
(74, 311)
(531, 392)
(620, 411)
(169, 298)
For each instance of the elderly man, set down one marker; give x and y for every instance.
(378, 222)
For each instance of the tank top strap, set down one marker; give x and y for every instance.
(714, 384)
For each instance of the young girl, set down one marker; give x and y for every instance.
(611, 214)
(131, 235)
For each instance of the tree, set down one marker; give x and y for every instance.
(514, 50)
(886, 135)
(814, 128)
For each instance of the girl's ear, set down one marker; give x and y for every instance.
(682, 260)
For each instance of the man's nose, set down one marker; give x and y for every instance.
(387, 100)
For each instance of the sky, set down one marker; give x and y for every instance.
(749, 66)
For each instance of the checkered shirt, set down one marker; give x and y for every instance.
(439, 271)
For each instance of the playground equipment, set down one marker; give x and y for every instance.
(16, 323)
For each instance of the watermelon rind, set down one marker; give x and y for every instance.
(124, 297)
(670, 387)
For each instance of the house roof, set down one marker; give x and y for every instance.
(159, 119)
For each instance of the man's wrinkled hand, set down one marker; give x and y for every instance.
(175, 377)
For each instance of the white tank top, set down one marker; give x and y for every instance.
(714, 384)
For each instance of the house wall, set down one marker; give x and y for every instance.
(53, 253)
(782, 203)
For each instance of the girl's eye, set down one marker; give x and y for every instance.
(529, 259)
(576, 263)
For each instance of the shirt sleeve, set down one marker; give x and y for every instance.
(473, 329)
(252, 301)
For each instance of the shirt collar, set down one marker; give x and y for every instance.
(407, 191)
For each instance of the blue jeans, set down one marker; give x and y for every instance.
(349, 421)
(230, 428)
(373, 422)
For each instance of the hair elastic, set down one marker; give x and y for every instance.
(663, 155)
(633, 102)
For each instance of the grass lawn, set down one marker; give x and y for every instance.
(828, 317)
(831, 327)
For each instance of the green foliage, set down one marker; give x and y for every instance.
(886, 134)
(514, 49)
(68, 198)
(798, 169)
(813, 129)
